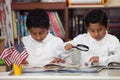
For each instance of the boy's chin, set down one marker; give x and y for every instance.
(39, 40)
(97, 39)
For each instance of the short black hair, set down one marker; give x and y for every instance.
(96, 16)
(37, 18)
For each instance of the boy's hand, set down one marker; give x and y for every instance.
(94, 59)
(68, 46)
(58, 60)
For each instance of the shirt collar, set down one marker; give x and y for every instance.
(47, 39)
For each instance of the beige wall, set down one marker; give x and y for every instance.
(113, 3)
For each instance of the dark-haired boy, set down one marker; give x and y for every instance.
(103, 47)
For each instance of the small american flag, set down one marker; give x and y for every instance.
(19, 54)
(5, 55)
(14, 54)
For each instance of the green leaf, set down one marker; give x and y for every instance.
(2, 61)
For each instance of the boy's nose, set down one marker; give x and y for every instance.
(38, 37)
(96, 33)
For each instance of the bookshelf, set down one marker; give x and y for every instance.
(112, 12)
(67, 13)
(60, 7)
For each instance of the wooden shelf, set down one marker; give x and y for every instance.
(43, 5)
(47, 6)
(80, 12)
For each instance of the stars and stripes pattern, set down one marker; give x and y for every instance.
(19, 54)
(5, 55)
(14, 54)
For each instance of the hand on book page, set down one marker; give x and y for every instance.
(93, 65)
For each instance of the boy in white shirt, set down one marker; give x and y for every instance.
(103, 47)
(43, 48)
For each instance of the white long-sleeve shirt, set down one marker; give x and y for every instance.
(108, 49)
(42, 53)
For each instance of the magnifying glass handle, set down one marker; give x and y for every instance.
(75, 47)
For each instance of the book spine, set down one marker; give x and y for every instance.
(81, 25)
(22, 27)
(76, 25)
(14, 24)
(60, 24)
(26, 32)
(73, 31)
(55, 25)
(52, 30)
(18, 23)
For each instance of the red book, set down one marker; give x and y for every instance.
(55, 24)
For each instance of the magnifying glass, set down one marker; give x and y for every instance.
(81, 47)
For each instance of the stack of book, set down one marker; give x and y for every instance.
(86, 3)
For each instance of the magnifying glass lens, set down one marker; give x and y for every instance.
(81, 47)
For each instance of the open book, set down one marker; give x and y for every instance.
(62, 68)
(115, 65)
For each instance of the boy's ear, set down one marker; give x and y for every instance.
(107, 27)
(49, 28)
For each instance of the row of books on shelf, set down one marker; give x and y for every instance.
(19, 24)
(56, 25)
(78, 26)
(20, 29)
(114, 26)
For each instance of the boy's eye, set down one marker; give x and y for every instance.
(91, 30)
(100, 29)
(33, 33)
(41, 33)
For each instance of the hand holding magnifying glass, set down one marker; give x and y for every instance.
(81, 47)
